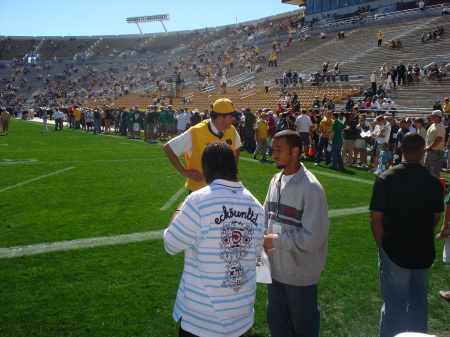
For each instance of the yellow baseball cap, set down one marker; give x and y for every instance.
(225, 106)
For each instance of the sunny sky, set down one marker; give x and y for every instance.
(89, 18)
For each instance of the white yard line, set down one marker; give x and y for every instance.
(172, 199)
(76, 161)
(18, 251)
(348, 211)
(11, 252)
(34, 179)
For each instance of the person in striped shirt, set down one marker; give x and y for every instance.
(220, 228)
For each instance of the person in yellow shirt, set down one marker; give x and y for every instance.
(274, 44)
(325, 133)
(446, 109)
(380, 38)
(261, 133)
(192, 142)
(76, 117)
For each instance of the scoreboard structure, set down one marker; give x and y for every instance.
(149, 18)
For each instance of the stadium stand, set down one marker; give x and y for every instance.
(95, 70)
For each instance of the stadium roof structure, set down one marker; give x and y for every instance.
(149, 18)
(294, 2)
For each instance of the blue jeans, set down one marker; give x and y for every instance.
(323, 143)
(336, 156)
(404, 293)
(292, 310)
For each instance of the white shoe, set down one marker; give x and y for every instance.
(316, 164)
(356, 166)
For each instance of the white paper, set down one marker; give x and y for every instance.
(263, 274)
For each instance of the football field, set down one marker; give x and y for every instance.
(81, 251)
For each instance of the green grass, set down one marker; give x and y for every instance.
(117, 186)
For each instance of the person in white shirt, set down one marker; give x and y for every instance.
(373, 82)
(304, 127)
(375, 105)
(381, 134)
(220, 228)
(266, 85)
(183, 119)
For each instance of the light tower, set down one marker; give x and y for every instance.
(149, 18)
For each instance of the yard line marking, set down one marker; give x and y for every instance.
(370, 182)
(41, 248)
(79, 161)
(6, 253)
(34, 179)
(172, 199)
(334, 175)
(347, 211)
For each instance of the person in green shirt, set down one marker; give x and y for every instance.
(130, 114)
(163, 121)
(336, 143)
(171, 121)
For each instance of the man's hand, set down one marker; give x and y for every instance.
(193, 174)
(268, 243)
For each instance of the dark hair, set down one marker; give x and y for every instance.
(412, 142)
(420, 120)
(293, 139)
(219, 162)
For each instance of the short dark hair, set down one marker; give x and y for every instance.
(293, 139)
(412, 142)
(219, 162)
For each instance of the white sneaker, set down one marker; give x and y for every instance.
(356, 166)
(316, 164)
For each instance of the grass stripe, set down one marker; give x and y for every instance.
(18, 251)
(34, 179)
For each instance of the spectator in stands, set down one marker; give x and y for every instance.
(444, 9)
(446, 109)
(349, 104)
(380, 38)
(421, 5)
(266, 85)
(437, 106)
(435, 144)
(401, 73)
